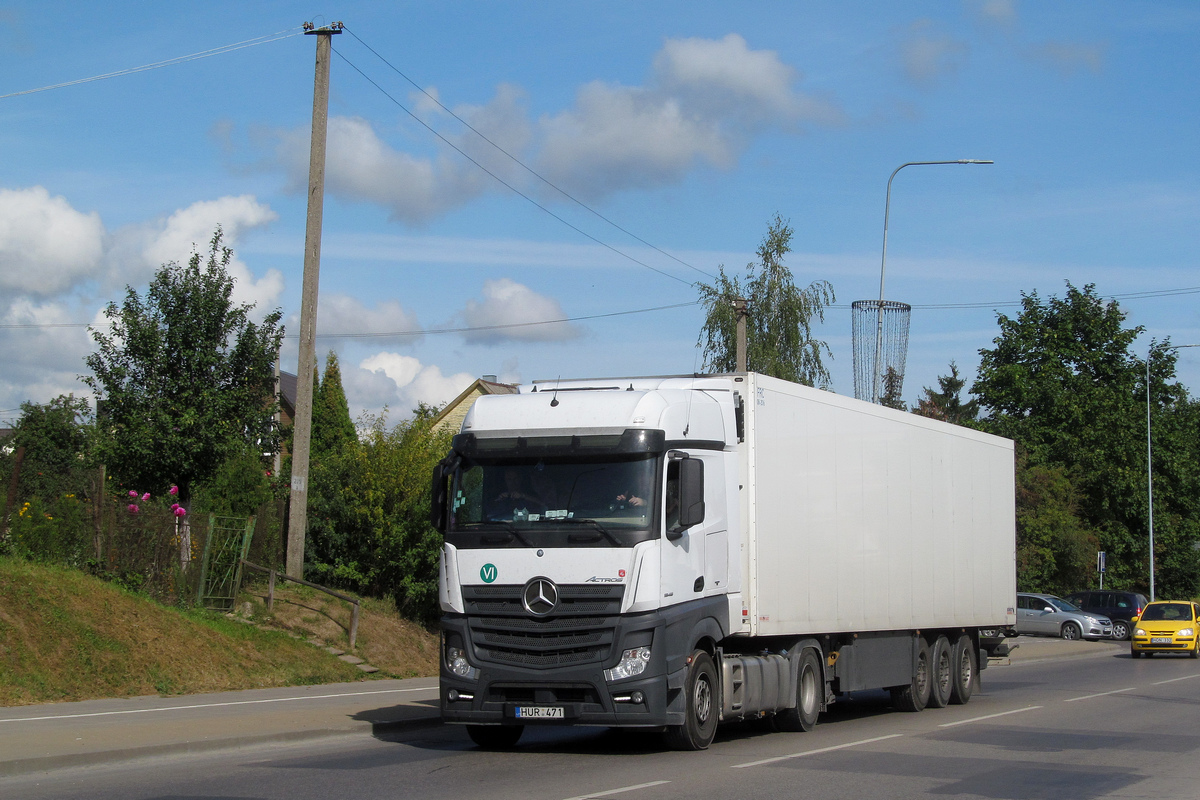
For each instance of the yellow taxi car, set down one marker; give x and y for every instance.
(1166, 626)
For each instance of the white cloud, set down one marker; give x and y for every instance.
(340, 313)
(46, 246)
(138, 251)
(506, 302)
(413, 381)
(703, 100)
(928, 55)
(998, 12)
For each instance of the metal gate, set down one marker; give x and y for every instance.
(227, 544)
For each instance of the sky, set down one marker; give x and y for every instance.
(581, 165)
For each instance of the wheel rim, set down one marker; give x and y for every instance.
(808, 691)
(703, 699)
(1071, 631)
(1120, 630)
(964, 669)
(944, 673)
(922, 678)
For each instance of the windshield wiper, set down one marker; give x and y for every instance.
(576, 521)
(510, 529)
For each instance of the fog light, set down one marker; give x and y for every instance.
(633, 662)
(638, 697)
(456, 662)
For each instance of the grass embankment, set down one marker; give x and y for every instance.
(65, 635)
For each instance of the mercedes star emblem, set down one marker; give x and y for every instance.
(540, 596)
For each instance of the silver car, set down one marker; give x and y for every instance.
(1047, 615)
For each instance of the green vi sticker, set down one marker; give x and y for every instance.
(488, 573)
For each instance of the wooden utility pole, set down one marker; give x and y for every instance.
(302, 426)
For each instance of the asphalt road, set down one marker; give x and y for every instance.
(1093, 725)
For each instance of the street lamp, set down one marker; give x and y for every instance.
(1149, 459)
(883, 264)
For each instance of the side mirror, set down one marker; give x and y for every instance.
(438, 494)
(1134, 618)
(1049, 608)
(691, 496)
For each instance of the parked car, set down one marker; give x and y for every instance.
(1166, 626)
(1047, 615)
(1120, 607)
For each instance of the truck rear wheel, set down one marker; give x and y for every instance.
(495, 737)
(942, 673)
(965, 663)
(914, 696)
(810, 684)
(700, 711)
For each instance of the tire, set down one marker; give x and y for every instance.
(914, 696)
(703, 697)
(966, 660)
(1195, 650)
(495, 737)
(1071, 631)
(941, 673)
(810, 685)
(1135, 653)
(1120, 629)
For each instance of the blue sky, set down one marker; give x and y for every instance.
(689, 125)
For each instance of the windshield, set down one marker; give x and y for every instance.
(1164, 612)
(592, 500)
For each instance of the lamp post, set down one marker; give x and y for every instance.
(883, 264)
(1150, 462)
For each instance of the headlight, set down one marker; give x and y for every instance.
(633, 662)
(456, 662)
(1187, 632)
(1139, 632)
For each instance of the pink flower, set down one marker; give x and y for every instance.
(145, 497)
(133, 492)
(174, 506)
(174, 490)
(180, 511)
(133, 509)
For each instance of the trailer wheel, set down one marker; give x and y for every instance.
(915, 695)
(810, 684)
(700, 712)
(964, 659)
(942, 674)
(495, 737)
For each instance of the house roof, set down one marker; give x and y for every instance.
(457, 408)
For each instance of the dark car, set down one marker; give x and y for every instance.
(1120, 607)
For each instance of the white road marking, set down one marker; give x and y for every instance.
(989, 716)
(214, 705)
(1172, 680)
(1101, 694)
(618, 791)
(815, 752)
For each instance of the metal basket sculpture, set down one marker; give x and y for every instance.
(880, 341)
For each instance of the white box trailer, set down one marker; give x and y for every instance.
(677, 552)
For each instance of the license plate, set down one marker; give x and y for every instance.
(1161, 640)
(540, 712)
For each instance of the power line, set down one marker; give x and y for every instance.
(500, 180)
(1148, 295)
(522, 164)
(170, 62)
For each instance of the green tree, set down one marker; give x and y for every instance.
(57, 437)
(946, 404)
(779, 340)
(1062, 381)
(184, 378)
(892, 382)
(332, 428)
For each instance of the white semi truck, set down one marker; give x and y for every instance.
(678, 552)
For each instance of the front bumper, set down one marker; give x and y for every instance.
(1149, 644)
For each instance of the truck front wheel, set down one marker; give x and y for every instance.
(810, 684)
(700, 714)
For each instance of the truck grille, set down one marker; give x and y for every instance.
(580, 630)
